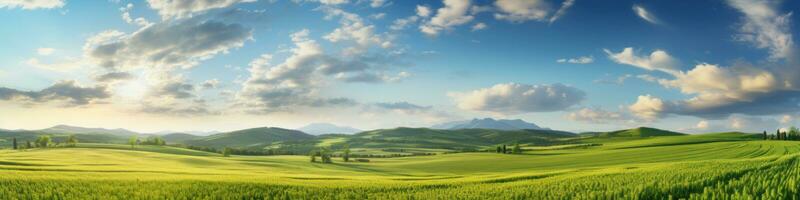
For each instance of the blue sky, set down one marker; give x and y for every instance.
(694, 66)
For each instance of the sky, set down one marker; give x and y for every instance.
(574, 65)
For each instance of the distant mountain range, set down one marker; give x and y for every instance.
(326, 128)
(489, 123)
(82, 130)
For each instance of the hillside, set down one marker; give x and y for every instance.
(634, 133)
(453, 139)
(252, 138)
(179, 138)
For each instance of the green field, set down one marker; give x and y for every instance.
(711, 166)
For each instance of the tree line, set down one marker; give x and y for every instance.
(44, 141)
(792, 134)
(503, 149)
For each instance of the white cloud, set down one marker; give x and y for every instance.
(595, 115)
(702, 125)
(648, 107)
(403, 23)
(377, 3)
(355, 30)
(514, 98)
(578, 60)
(44, 51)
(645, 15)
(377, 16)
(562, 11)
(658, 60)
(333, 2)
(522, 10)
(66, 91)
(126, 16)
(32, 4)
(454, 13)
(423, 11)
(765, 28)
(479, 26)
(165, 45)
(187, 8)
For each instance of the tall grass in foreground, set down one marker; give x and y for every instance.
(762, 178)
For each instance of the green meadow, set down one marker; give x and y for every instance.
(661, 166)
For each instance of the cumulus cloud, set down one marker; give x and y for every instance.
(454, 13)
(187, 8)
(657, 60)
(595, 115)
(67, 91)
(423, 11)
(644, 14)
(765, 27)
(720, 91)
(32, 4)
(515, 98)
(356, 31)
(165, 45)
(524, 10)
(578, 60)
(294, 82)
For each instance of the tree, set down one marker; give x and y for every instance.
(226, 152)
(72, 141)
(765, 135)
(793, 133)
(346, 153)
(499, 149)
(313, 155)
(132, 141)
(43, 141)
(778, 134)
(325, 155)
(28, 144)
(505, 150)
(14, 141)
(517, 149)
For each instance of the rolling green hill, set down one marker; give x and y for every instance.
(453, 139)
(179, 138)
(635, 132)
(706, 166)
(252, 138)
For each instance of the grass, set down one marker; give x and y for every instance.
(714, 166)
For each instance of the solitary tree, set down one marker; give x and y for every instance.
(499, 149)
(226, 151)
(517, 149)
(72, 141)
(765, 135)
(313, 155)
(346, 153)
(43, 141)
(505, 150)
(325, 155)
(14, 141)
(132, 141)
